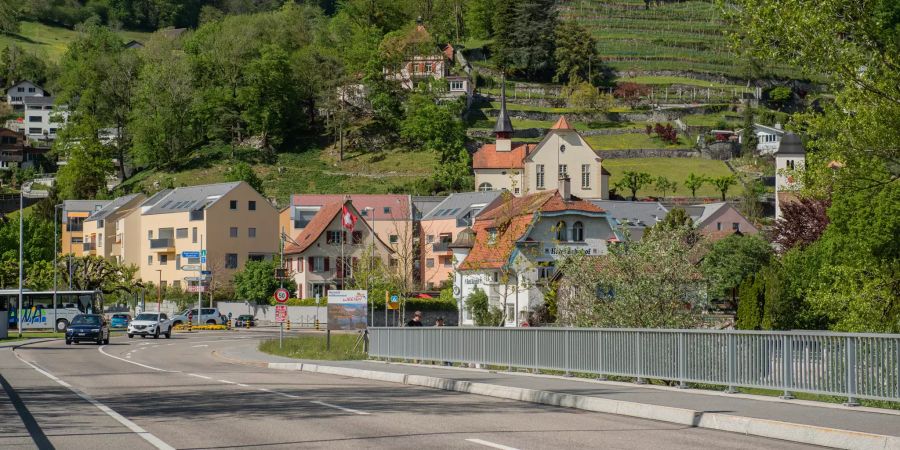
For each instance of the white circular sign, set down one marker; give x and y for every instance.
(281, 295)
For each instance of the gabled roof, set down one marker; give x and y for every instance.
(320, 222)
(398, 204)
(562, 124)
(702, 213)
(185, 199)
(26, 81)
(424, 204)
(768, 129)
(83, 205)
(112, 207)
(458, 205)
(487, 157)
(633, 214)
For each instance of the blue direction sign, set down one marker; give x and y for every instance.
(202, 260)
(187, 254)
(206, 272)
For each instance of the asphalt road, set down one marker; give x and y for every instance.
(146, 393)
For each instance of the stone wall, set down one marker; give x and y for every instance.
(648, 153)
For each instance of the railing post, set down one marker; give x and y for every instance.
(509, 337)
(534, 361)
(731, 365)
(786, 366)
(483, 347)
(566, 349)
(682, 361)
(640, 360)
(851, 371)
(601, 350)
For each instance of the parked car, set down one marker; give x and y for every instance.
(88, 327)
(244, 319)
(150, 324)
(119, 320)
(209, 316)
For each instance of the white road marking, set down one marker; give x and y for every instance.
(242, 385)
(136, 363)
(354, 411)
(226, 381)
(284, 395)
(144, 434)
(490, 444)
(201, 345)
(200, 376)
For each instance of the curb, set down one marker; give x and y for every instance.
(806, 434)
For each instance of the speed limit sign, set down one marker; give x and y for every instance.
(281, 295)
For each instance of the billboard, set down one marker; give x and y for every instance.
(347, 310)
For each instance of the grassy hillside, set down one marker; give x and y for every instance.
(683, 36)
(52, 41)
(675, 169)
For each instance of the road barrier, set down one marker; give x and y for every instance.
(851, 365)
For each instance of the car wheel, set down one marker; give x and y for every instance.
(130, 336)
(156, 335)
(210, 322)
(68, 342)
(169, 333)
(143, 336)
(62, 325)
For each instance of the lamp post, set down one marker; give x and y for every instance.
(369, 273)
(19, 322)
(55, 257)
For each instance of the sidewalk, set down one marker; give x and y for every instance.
(708, 409)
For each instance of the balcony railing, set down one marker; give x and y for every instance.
(438, 247)
(89, 246)
(163, 244)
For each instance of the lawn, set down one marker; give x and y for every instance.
(670, 80)
(711, 120)
(13, 335)
(675, 169)
(633, 141)
(52, 41)
(343, 347)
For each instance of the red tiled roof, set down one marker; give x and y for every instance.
(315, 228)
(487, 157)
(562, 124)
(399, 204)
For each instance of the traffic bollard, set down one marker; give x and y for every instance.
(317, 324)
(289, 325)
(247, 324)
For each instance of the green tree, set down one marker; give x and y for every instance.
(479, 17)
(731, 260)
(584, 96)
(18, 65)
(91, 273)
(748, 134)
(529, 54)
(9, 17)
(575, 54)
(723, 184)
(433, 126)
(256, 282)
(665, 185)
(242, 171)
(780, 96)
(483, 313)
(456, 175)
(89, 162)
(694, 182)
(750, 304)
(633, 181)
(268, 97)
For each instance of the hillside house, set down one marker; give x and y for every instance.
(790, 159)
(767, 138)
(17, 93)
(717, 220)
(42, 119)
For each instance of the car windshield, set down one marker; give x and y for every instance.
(86, 320)
(120, 316)
(146, 317)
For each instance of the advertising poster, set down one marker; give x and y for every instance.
(347, 310)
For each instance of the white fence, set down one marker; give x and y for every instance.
(851, 365)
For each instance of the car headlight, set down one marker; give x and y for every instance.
(95, 330)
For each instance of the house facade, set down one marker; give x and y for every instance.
(73, 215)
(326, 253)
(717, 220)
(790, 159)
(442, 225)
(17, 93)
(112, 232)
(43, 119)
(512, 250)
(12, 148)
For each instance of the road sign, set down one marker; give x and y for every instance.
(196, 279)
(203, 253)
(394, 302)
(202, 260)
(280, 313)
(206, 272)
(191, 267)
(281, 295)
(197, 288)
(190, 254)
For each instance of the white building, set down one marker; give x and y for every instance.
(789, 160)
(17, 93)
(767, 138)
(42, 119)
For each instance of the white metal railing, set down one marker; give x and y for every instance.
(852, 365)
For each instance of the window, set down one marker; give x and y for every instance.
(20, 89)
(517, 191)
(181, 233)
(387, 210)
(233, 232)
(34, 119)
(251, 205)
(251, 232)
(76, 240)
(510, 313)
(194, 235)
(394, 239)
(31, 90)
(456, 85)
(100, 240)
(149, 260)
(585, 176)
(163, 259)
(149, 234)
(790, 164)
(539, 179)
(176, 284)
(333, 237)
(718, 226)
(357, 238)
(429, 239)
(484, 187)
(546, 272)
(492, 235)
(735, 226)
(34, 131)
(255, 257)
(318, 264)
(196, 214)
(429, 263)
(561, 231)
(578, 232)
(232, 205)
(231, 261)
(100, 223)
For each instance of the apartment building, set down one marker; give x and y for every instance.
(442, 225)
(231, 222)
(113, 231)
(74, 213)
(325, 254)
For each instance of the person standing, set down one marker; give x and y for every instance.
(416, 321)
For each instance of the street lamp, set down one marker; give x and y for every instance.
(55, 258)
(369, 273)
(19, 322)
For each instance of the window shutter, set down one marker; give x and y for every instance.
(300, 265)
(312, 264)
(339, 263)
(327, 264)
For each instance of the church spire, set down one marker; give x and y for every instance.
(503, 129)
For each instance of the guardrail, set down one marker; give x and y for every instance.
(851, 365)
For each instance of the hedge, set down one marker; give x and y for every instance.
(423, 304)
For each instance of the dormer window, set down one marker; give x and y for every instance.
(492, 235)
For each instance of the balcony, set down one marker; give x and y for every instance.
(163, 245)
(89, 248)
(440, 247)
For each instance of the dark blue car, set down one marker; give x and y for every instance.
(88, 327)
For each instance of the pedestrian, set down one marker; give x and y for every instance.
(416, 321)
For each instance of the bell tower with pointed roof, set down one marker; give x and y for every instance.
(503, 129)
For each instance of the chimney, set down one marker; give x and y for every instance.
(777, 125)
(565, 190)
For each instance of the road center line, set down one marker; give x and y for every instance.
(354, 411)
(226, 381)
(144, 434)
(200, 376)
(135, 363)
(201, 345)
(490, 444)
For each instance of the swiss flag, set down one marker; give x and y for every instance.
(348, 220)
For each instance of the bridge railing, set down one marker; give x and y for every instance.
(852, 365)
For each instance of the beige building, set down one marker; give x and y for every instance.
(74, 213)
(231, 222)
(113, 231)
(528, 168)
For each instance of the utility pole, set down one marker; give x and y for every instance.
(199, 284)
(55, 258)
(19, 321)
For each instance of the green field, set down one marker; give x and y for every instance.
(344, 346)
(633, 141)
(676, 169)
(50, 41)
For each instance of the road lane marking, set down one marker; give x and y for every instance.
(200, 376)
(242, 385)
(201, 345)
(354, 411)
(226, 381)
(136, 363)
(490, 444)
(144, 434)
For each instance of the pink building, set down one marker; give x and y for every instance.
(718, 220)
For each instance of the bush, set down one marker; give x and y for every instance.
(482, 312)
(421, 304)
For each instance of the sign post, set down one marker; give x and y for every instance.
(281, 297)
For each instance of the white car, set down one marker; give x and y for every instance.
(150, 324)
(209, 316)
